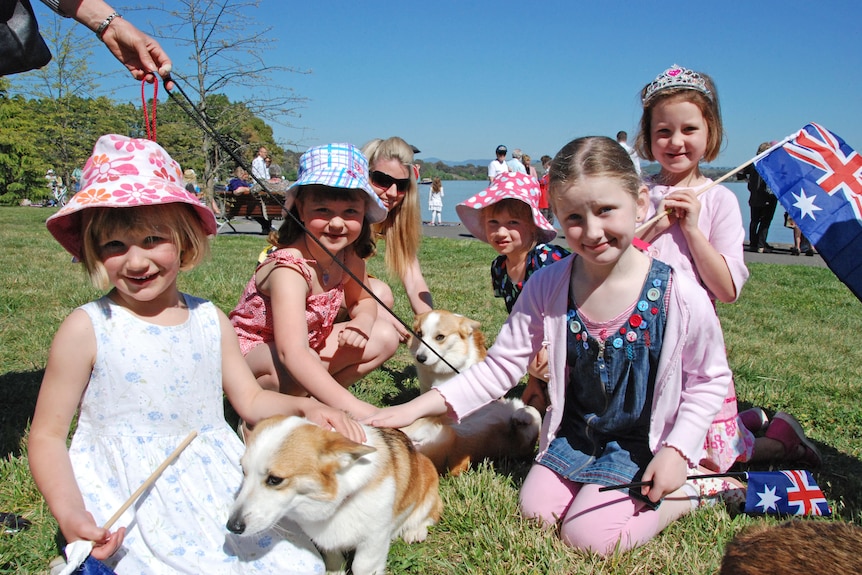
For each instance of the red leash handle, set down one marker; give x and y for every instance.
(150, 127)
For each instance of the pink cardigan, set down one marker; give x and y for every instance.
(691, 383)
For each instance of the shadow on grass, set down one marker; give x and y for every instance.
(18, 393)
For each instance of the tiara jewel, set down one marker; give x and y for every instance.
(676, 77)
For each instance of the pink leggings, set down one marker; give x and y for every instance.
(590, 520)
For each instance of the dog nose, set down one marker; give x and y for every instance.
(236, 525)
(421, 358)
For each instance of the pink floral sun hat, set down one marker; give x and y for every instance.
(124, 172)
(510, 185)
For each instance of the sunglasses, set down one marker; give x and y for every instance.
(385, 181)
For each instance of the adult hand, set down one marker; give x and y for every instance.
(142, 55)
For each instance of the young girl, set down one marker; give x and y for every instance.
(147, 365)
(506, 215)
(637, 365)
(703, 239)
(285, 318)
(435, 201)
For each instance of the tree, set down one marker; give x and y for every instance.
(223, 58)
(71, 121)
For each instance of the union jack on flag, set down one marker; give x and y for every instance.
(784, 493)
(818, 180)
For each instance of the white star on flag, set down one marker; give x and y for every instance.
(768, 499)
(806, 204)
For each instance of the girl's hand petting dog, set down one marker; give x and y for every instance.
(667, 471)
(427, 404)
(335, 419)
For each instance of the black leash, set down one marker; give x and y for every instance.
(203, 123)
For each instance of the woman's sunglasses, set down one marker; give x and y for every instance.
(385, 181)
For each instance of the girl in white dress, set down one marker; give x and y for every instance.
(147, 365)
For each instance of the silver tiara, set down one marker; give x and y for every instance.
(676, 77)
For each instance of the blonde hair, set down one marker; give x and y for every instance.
(177, 219)
(707, 104)
(402, 227)
(592, 156)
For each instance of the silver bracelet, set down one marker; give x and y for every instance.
(104, 25)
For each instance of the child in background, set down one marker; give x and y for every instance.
(147, 365)
(286, 317)
(636, 359)
(544, 205)
(506, 215)
(435, 201)
(703, 239)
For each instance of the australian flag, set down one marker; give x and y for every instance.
(784, 493)
(818, 180)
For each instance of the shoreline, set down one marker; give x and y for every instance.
(456, 231)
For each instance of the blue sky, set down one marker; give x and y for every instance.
(457, 78)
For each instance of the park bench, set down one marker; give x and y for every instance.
(259, 205)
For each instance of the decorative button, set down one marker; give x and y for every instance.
(656, 282)
(644, 324)
(575, 326)
(618, 342)
(643, 305)
(654, 310)
(653, 294)
(635, 320)
(631, 336)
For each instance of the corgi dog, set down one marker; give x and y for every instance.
(342, 494)
(503, 428)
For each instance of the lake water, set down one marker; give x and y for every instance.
(457, 191)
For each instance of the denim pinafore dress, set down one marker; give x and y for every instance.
(604, 436)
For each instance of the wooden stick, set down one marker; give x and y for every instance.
(711, 185)
(151, 479)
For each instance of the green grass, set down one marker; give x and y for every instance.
(791, 341)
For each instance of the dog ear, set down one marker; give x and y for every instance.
(468, 326)
(344, 452)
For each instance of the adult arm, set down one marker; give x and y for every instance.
(139, 53)
(417, 289)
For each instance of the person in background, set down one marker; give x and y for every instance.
(530, 169)
(435, 201)
(762, 203)
(498, 166)
(515, 164)
(259, 169)
(139, 53)
(622, 140)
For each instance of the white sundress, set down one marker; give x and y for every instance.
(151, 385)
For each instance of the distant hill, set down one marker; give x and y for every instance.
(460, 163)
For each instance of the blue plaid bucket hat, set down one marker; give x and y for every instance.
(337, 166)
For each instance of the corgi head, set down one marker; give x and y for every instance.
(456, 338)
(291, 467)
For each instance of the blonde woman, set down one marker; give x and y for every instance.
(394, 180)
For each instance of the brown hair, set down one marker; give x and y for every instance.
(592, 156)
(292, 229)
(179, 220)
(707, 104)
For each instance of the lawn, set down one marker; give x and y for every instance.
(790, 339)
